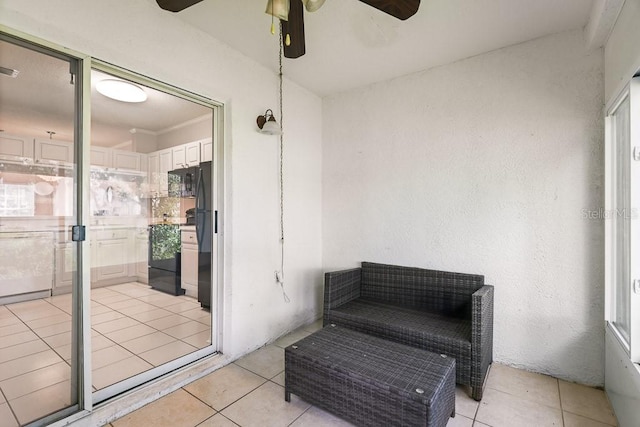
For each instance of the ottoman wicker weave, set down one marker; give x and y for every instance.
(370, 381)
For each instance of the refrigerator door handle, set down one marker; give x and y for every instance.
(199, 212)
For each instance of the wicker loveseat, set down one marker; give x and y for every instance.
(442, 312)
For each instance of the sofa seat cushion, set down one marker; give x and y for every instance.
(429, 331)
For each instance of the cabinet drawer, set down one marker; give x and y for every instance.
(189, 237)
(112, 234)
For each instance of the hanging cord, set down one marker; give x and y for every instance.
(281, 278)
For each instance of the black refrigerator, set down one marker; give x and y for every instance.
(204, 231)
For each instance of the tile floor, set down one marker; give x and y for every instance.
(249, 392)
(134, 327)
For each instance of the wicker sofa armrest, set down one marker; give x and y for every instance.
(481, 337)
(340, 287)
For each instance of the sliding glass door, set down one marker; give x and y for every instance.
(40, 195)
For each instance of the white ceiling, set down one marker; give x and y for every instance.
(350, 44)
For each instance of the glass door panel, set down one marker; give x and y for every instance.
(38, 180)
(151, 242)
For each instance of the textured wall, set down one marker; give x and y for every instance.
(141, 37)
(622, 51)
(483, 166)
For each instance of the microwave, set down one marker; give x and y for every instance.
(183, 182)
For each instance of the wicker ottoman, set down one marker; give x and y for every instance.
(370, 381)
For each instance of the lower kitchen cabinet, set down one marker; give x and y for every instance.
(65, 267)
(189, 263)
(111, 254)
(142, 256)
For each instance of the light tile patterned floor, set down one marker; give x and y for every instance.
(134, 329)
(250, 392)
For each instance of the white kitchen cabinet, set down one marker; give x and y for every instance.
(153, 171)
(101, 156)
(65, 267)
(112, 254)
(165, 164)
(179, 157)
(206, 150)
(13, 147)
(27, 262)
(189, 263)
(48, 150)
(142, 255)
(126, 160)
(192, 153)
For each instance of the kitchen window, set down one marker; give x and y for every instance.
(17, 200)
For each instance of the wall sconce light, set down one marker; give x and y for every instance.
(268, 124)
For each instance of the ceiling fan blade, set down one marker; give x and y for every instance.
(401, 9)
(176, 5)
(295, 28)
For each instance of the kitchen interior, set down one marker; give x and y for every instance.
(151, 230)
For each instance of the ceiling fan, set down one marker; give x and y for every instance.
(291, 16)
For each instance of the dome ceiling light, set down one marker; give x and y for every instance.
(121, 90)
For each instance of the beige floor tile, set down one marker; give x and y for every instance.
(460, 421)
(147, 342)
(316, 417)
(42, 402)
(198, 314)
(167, 352)
(573, 420)
(29, 363)
(57, 340)
(538, 388)
(51, 320)
(279, 379)
(168, 321)
(139, 308)
(224, 386)
(99, 309)
(38, 313)
(108, 355)
(112, 298)
(58, 328)
(479, 424)
(265, 406)
(159, 300)
(20, 350)
(118, 371)
(130, 302)
(291, 338)
(186, 329)
(465, 405)
(218, 420)
(2, 399)
(499, 409)
(96, 319)
(266, 362)
(314, 326)
(9, 319)
(19, 338)
(115, 325)
(156, 313)
(35, 380)
(13, 329)
(586, 401)
(99, 342)
(199, 340)
(182, 306)
(6, 416)
(130, 333)
(177, 409)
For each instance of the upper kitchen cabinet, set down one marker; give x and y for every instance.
(127, 160)
(186, 155)
(101, 156)
(206, 150)
(48, 150)
(165, 164)
(14, 147)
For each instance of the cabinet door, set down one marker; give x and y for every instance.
(16, 147)
(126, 160)
(206, 150)
(112, 253)
(153, 173)
(179, 157)
(48, 150)
(192, 153)
(65, 267)
(142, 255)
(189, 269)
(165, 165)
(101, 156)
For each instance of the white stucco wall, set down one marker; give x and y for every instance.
(622, 51)
(483, 166)
(139, 36)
